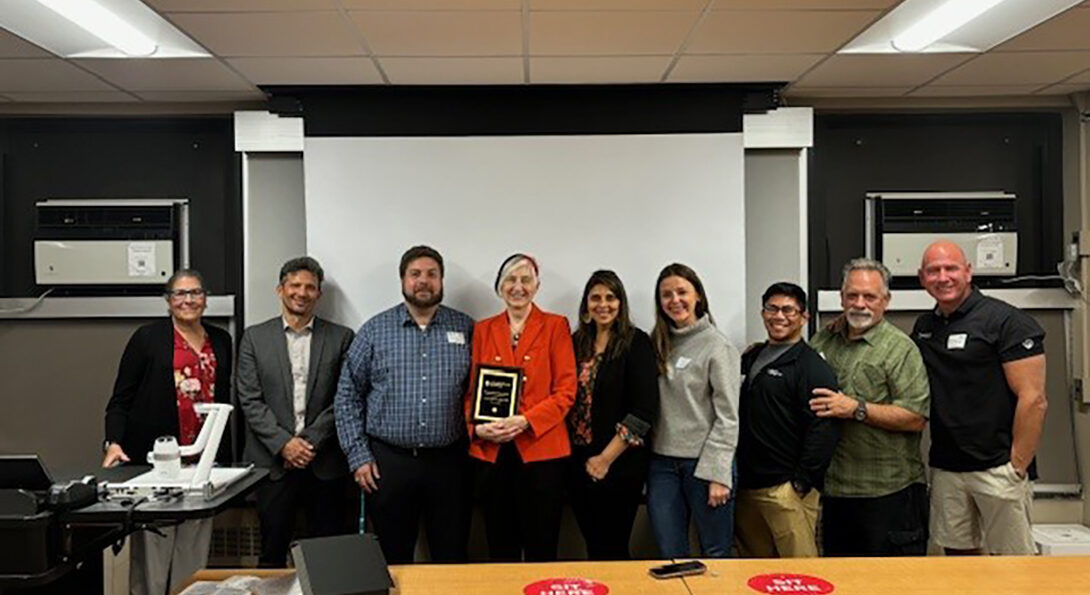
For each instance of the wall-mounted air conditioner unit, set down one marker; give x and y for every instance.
(88, 242)
(900, 225)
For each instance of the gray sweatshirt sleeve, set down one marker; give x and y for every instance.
(724, 377)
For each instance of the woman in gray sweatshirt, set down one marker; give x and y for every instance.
(695, 436)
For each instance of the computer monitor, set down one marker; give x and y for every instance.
(25, 472)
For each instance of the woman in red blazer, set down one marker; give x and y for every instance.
(523, 456)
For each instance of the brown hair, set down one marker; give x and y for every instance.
(419, 252)
(660, 335)
(622, 330)
(181, 273)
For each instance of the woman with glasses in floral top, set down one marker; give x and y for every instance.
(168, 366)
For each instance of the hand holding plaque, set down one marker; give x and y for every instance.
(497, 394)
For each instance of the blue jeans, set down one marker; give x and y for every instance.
(674, 495)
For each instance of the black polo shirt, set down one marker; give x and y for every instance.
(972, 407)
(780, 438)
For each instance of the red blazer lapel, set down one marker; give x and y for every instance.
(501, 339)
(530, 332)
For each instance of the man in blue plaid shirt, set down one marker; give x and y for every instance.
(400, 416)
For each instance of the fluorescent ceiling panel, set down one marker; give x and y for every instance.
(1002, 21)
(41, 26)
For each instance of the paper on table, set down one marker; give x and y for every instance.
(286, 584)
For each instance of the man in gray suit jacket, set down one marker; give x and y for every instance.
(286, 380)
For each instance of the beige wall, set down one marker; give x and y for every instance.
(57, 378)
(58, 375)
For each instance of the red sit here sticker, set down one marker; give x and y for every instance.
(789, 584)
(565, 586)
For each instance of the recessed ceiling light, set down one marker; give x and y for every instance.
(104, 25)
(944, 20)
(97, 29)
(937, 26)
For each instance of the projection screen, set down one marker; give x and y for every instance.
(631, 203)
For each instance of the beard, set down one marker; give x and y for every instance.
(860, 319)
(423, 303)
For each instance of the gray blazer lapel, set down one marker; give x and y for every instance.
(280, 349)
(317, 339)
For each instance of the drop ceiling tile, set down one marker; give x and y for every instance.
(1017, 68)
(773, 67)
(185, 74)
(432, 4)
(974, 90)
(446, 71)
(240, 5)
(608, 32)
(852, 70)
(272, 33)
(802, 4)
(358, 70)
(13, 46)
(1082, 77)
(1064, 89)
(202, 96)
(46, 74)
(774, 32)
(441, 33)
(1070, 30)
(73, 97)
(614, 69)
(797, 92)
(687, 5)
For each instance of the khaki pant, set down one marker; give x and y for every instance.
(157, 563)
(775, 521)
(982, 509)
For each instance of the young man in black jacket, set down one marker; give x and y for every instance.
(784, 448)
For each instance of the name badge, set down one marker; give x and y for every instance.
(682, 362)
(456, 337)
(956, 341)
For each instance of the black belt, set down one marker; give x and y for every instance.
(460, 445)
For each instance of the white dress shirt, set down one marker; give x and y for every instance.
(299, 357)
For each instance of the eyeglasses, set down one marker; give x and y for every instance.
(788, 310)
(181, 294)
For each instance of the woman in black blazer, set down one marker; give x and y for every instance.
(144, 404)
(168, 366)
(617, 399)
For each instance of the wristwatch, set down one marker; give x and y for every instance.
(860, 413)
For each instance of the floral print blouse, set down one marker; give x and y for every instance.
(194, 382)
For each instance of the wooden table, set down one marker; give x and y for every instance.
(849, 576)
(622, 578)
(992, 575)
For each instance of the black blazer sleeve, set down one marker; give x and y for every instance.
(222, 347)
(822, 434)
(641, 398)
(130, 377)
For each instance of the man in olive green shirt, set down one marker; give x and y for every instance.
(875, 500)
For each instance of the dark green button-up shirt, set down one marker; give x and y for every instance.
(882, 366)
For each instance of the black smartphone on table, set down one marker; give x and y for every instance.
(679, 569)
